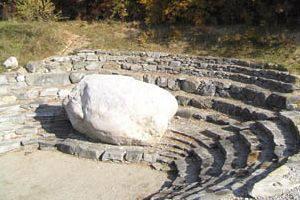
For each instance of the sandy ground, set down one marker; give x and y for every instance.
(53, 175)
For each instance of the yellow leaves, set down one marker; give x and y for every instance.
(36, 10)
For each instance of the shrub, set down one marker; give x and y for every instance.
(36, 10)
(196, 12)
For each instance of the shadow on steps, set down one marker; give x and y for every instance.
(54, 120)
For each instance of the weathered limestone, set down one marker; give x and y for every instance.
(120, 110)
(11, 63)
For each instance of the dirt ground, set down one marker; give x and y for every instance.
(57, 176)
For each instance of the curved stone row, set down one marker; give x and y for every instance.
(237, 121)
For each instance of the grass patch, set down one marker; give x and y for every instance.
(37, 40)
(29, 41)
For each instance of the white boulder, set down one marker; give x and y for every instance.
(11, 63)
(120, 110)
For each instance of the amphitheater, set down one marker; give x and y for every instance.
(236, 125)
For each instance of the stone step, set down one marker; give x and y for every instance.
(200, 140)
(241, 110)
(213, 65)
(208, 115)
(233, 108)
(188, 168)
(231, 145)
(253, 143)
(291, 119)
(214, 160)
(241, 145)
(242, 188)
(285, 142)
(188, 61)
(271, 84)
(244, 92)
(170, 154)
(265, 82)
(247, 93)
(207, 161)
(270, 74)
(180, 139)
(267, 146)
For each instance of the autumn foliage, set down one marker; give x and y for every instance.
(196, 12)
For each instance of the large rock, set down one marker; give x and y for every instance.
(120, 110)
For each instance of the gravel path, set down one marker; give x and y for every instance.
(55, 176)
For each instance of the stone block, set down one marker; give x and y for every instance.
(89, 152)
(133, 67)
(35, 66)
(49, 92)
(30, 144)
(75, 77)
(58, 67)
(206, 88)
(199, 116)
(150, 157)
(201, 103)
(173, 84)
(148, 67)
(79, 65)
(113, 154)
(3, 80)
(189, 85)
(276, 101)
(162, 82)
(184, 113)
(67, 147)
(53, 79)
(48, 145)
(149, 79)
(11, 63)
(111, 65)
(175, 64)
(182, 100)
(217, 119)
(93, 66)
(20, 78)
(92, 57)
(136, 67)
(134, 155)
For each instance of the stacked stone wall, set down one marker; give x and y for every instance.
(235, 117)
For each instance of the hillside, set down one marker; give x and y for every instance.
(37, 40)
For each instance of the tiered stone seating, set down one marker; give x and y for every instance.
(237, 121)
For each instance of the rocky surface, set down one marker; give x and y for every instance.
(119, 109)
(237, 123)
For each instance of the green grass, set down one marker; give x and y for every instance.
(29, 41)
(37, 40)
